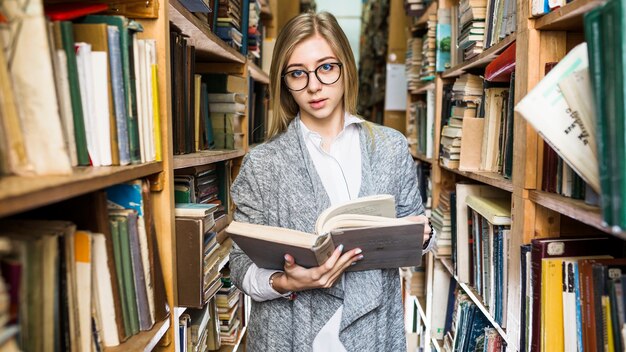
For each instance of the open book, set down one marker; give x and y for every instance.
(368, 223)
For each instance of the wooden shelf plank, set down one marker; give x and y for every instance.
(573, 208)
(258, 74)
(18, 194)
(423, 89)
(482, 60)
(420, 157)
(235, 347)
(490, 178)
(208, 45)
(145, 340)
(436, 344)
(205, 157)
(568, 17)
(446, 261)
(421, 306)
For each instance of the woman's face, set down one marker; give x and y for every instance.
(316, 100)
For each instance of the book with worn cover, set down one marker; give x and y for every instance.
(367, 223)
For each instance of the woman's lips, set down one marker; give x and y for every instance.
(318, 103)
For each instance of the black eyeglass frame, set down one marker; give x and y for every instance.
(308, 75)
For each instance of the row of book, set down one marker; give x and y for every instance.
(420, 128)
(92, 278)
(542, 7)
(85, 84)
(477, 131)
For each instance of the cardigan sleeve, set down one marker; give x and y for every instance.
(409, 201)
(246, 194)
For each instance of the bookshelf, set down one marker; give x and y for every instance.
(145, 340)
(535, 213)
(205, 157)
(235, 347)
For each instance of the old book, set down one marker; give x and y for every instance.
(497, 211)
(190, 238)
(367, 223)
(471, 143)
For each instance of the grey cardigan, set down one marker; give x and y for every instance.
(279, 186)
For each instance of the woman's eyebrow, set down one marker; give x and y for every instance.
(318, 61)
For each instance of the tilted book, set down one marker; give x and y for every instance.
(367, 223)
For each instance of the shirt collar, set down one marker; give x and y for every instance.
(348, 120)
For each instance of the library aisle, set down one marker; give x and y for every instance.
(123, 125)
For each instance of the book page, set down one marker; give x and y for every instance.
(350, 221)
(378, 205)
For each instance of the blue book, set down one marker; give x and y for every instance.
(579, 318)
(119, 95)
(443, 37)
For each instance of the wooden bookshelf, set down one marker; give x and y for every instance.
(437, 344)
(447, 263)
(421, 309)
(423, 20)
(424, 89)
(209, 47)
(489, 178)
(235, 347)
(258, 74)
(18, 194)
(573, 208)
(420, 157)
(145, 340)
(568, 17)
(482, 60)
(205, 157)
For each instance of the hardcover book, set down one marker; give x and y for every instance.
(367, 223)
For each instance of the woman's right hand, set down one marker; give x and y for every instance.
(297, 278)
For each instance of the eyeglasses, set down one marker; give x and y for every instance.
(327, 74)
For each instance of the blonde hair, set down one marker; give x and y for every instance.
(298, 29)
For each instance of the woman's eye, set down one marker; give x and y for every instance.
(297, 73)
(326, 67)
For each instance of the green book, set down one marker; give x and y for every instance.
(67, 35)
(127, 29)
(127, 273)
(595, 43)
(114, 224)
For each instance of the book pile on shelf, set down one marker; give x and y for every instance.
(54, 88)
(539, 8)
(197, 254)
(466, 98)
(229, 21)
(227, 96)
(94, 277)
(413, 63)
(417, 128)
(255, 31)
(429, 49)
(230, 306)
(442, 221)
(573, 297)
(469, 32)
(497, 115)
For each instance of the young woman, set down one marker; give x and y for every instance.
(320, 153)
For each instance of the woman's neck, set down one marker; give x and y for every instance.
(328, 127)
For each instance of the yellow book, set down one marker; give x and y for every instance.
(607, 325)
(157, 113)
(497, 211)
(196, 110)
(552, 339)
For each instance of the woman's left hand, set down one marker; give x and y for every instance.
(422, 219)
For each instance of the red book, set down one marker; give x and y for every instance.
(73, 10)
(500, 69)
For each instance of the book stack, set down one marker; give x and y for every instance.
(429, 48)
(469, 325)
(198, 184)
(500, 21)
(471, 28)
(197, 254)
(255, 31)
(228, 99)
(416, 128)
(414, 278)
(91, 97)
(95, 287)
(466, 97)
(442, 222)
(229, 305)
(229, 20)
(414, 63)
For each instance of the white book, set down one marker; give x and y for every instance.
(569, 306)
(27, 49)
(138, 60)
(82, 264)
(85, 79)
(546, 109)
(65, 103)
(101, 91)
(103, 291)
(430, 122)
(150, 59)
